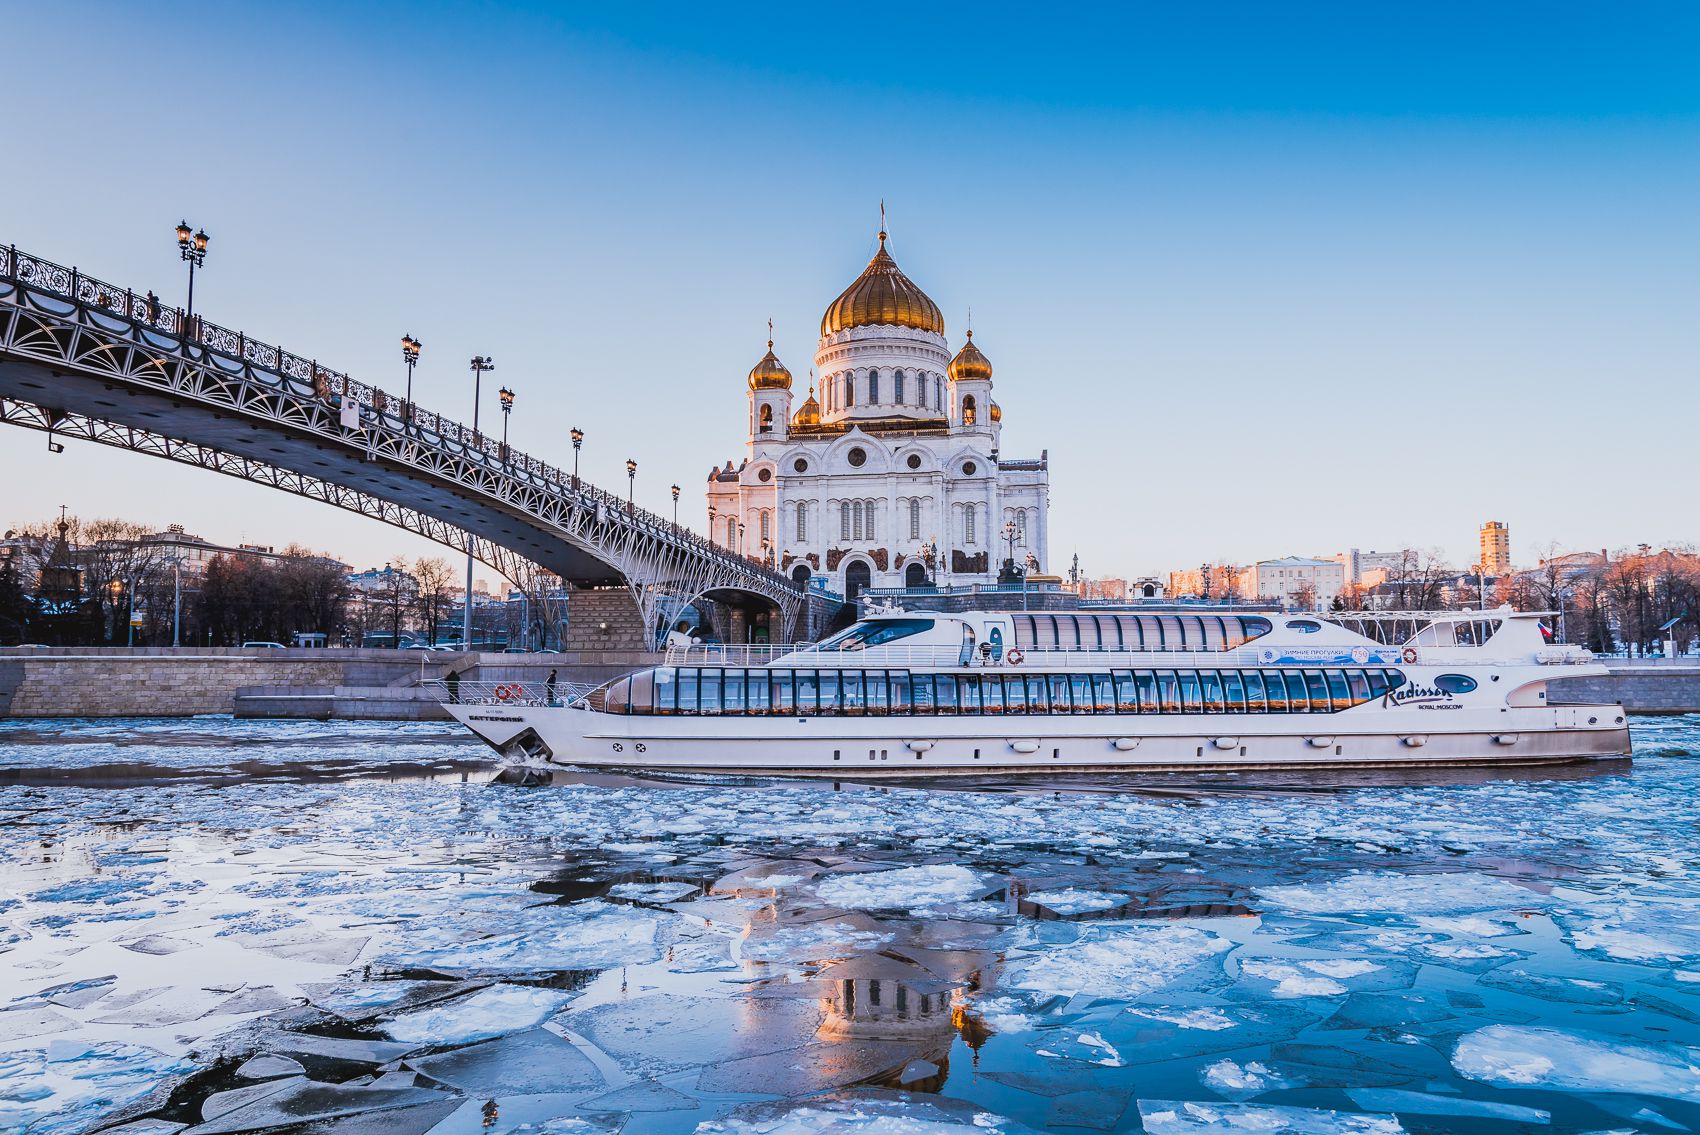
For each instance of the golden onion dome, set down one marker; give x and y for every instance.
(997, 412)
(882, 294)
(970, 362)
(770, 373)
(808, 414)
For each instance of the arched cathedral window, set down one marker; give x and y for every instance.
(802, 521)
(767, 419)
(766, 524)
(873, 387)
(897, 387)
(968, 525)
(844, 520)
(849, 390)
(968, 410)
(914, 520)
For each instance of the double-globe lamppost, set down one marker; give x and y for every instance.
(507, 397)
(578, 443)
(409, 355)
(192, 247)
(480, 364)
(675, 506)
(631, 486)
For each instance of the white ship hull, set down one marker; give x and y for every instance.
(933, 746)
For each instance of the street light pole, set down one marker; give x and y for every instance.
(507, 397)
(578, 441)
(177, 601)
(631, 486)
(480, 364)
(193, 248)
(409, 355)
(675, 506)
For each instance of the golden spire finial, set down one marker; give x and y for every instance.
(770, 332)
(882, 222)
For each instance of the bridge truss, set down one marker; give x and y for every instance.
(57, 322)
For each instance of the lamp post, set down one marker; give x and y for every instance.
(409, 355)
(631, 486)
(480, 364)
(711, 515)
(740, 537)
(578, 442)
(507, 397)
(192, 247)
(1009, 531)
(675, 506)
(176, 600)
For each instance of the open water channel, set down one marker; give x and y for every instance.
(353, 929)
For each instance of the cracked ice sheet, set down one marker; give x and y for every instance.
(1514, 1056)
(906, 888)
(1172, 1117)
(863, 1116)
(585, 935)
(1385, 893)
(489, 1012)
(62, 1088)
(1115, 959)
(1069, 900)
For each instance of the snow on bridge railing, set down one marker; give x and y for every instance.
(337, 388)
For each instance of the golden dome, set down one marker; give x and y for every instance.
(997, 412)
(970, 362)
(882, 294)
(770, 373)
(808, 414)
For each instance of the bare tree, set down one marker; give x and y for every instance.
(434, 591)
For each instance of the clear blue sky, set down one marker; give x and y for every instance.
(1265, 279)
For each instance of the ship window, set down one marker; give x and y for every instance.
(876, 695)
(666, 690)
(851, 689)
(1045, 632)
(826, 687)
(1105, 698)
(1211, 683)
(1191, 697)
(921, 686)
(1038, 701)
(1318, 691)
(875, 633)
(900, 700)
(1059, 699)
(991, 694)
(1359, 685)
(968, 689)
(1304, 626)
(1168, 692)
(1192, 632)
(708, 689)
(1337, 690)
(945, 691)
(1233, 691)
(1080, 686)
(732, 697)
(757, 699)
(1014, 695)
(808, 692)
(1377, 680)
(784, 691)
(1277, 690)
(687, 691)
(1145, 681)
(1253, 626)
(1127, 695)
(1255, 699)
(1395, 678)
(1455, 683)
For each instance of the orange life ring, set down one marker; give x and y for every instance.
(1410, 655)
(508, 692)
(1015, 657)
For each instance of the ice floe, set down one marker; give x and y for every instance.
(1071, 900)
(1116, 959)
(1523, 1057)
(63, 1088)
(1165, 1117)
(1240, 1081)
(1386, 893)
(906, 888)
(488, 1012)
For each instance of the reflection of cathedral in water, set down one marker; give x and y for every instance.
(877, 998)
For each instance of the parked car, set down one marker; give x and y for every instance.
(264, 645)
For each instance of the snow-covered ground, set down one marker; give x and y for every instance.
(236, 925)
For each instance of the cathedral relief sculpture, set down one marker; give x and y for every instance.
(894, 448)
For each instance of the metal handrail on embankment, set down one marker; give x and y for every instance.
(515, 694)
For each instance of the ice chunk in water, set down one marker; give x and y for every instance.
(1518, 1056)
(1574, 990)
(589, 935)
(863, 1116)
(907, 888)
(527, 1063)
(1173, 1117)
(1379, 893)
(490, 1012)
(1207, 1018)
(815, 941)
(1635, 932)
(1090, 1047)
(1117, 959)
(1069, 900)
(1313, 978)
(1426, 1103)
(652, 892)
(1240, 1081)
(61, 1089)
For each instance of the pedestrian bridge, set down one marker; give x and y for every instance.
(86, 359)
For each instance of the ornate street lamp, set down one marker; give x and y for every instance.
(578, 442)
(740, 537)
(1009, 532)
(631, 485)
(193, 248)
(711, 515)
(507, 397)
(929, 558)
(479, 364)
(675, 506)
(409, 355)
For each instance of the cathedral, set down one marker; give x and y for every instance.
(891, 474)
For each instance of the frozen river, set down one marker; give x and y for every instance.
(349, 929)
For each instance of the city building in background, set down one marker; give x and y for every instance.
(1296, 581)
(891, 474)
(1495, 548)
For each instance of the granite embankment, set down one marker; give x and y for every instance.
(184, 681)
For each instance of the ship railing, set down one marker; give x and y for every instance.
(940, 657)
(515, 694)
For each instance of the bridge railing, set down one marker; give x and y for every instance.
(309, 378)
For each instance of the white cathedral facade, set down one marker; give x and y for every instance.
(893, 475)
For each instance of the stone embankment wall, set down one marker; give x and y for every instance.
(181, 682)
(1657, 688)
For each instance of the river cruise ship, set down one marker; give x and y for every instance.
(926, 693)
